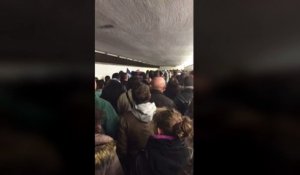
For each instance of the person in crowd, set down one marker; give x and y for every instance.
(166, 151)
(158, 86)
(100, 85)
(112, 91)
(145, 78)
(151, 74)
(190, 111)
(180, 76)
(135, 126)
(125, 101)
(106, 159)
(110, 117)
(106, 78)
(124, 80)
(185, 97)
(172, 89)
(116, 76)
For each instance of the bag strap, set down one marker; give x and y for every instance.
(131, 104)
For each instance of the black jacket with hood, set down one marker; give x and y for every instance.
(162, 157)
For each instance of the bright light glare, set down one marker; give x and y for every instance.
(188, 61)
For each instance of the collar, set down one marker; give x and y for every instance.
(155, 91)
(116, 80)
(165, 137)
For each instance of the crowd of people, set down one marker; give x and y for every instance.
(144, 123)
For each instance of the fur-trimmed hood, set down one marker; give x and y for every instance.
(144, 111)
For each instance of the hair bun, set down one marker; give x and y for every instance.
(184, 128)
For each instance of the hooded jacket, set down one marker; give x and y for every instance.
(163, 157)
(111, 119)
(125, 102)
(106, 159)
(135, 128)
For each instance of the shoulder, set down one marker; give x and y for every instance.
(122, 96)
(126, 117)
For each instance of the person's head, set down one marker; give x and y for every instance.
(141, 94)
(151, 74)
(100, 84)
(116, 76)
(171, 122)
(173, 87)
(173, 81)
(133, 82)
(107, 78)
(158, 83)
(123, 76)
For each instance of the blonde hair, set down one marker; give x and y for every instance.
(171, 122)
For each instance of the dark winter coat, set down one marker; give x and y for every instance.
(111, 92)
(183, 100)
(162, 157)
(106, 159)
(135, 129)
(161, 100)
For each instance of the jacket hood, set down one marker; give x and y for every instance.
(144, 111)
(173, 156)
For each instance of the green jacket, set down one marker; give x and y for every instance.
(111, 119)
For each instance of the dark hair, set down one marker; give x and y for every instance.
(151, 74)
(100, 84)
(133, 82)
(107, 78)
(116, 75)
(141, 94)
(123, 76)
(173, 88)
(171, 122)
(143, 74)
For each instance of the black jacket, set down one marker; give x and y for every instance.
(183, 100)
(111, 92)
(161, 157)
(161, 100)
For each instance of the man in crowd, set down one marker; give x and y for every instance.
(158, 86)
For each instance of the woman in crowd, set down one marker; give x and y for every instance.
(106, 159)
(166, 152)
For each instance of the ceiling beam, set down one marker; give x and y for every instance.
(104, 58)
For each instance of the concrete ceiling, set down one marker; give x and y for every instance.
(158, 32)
